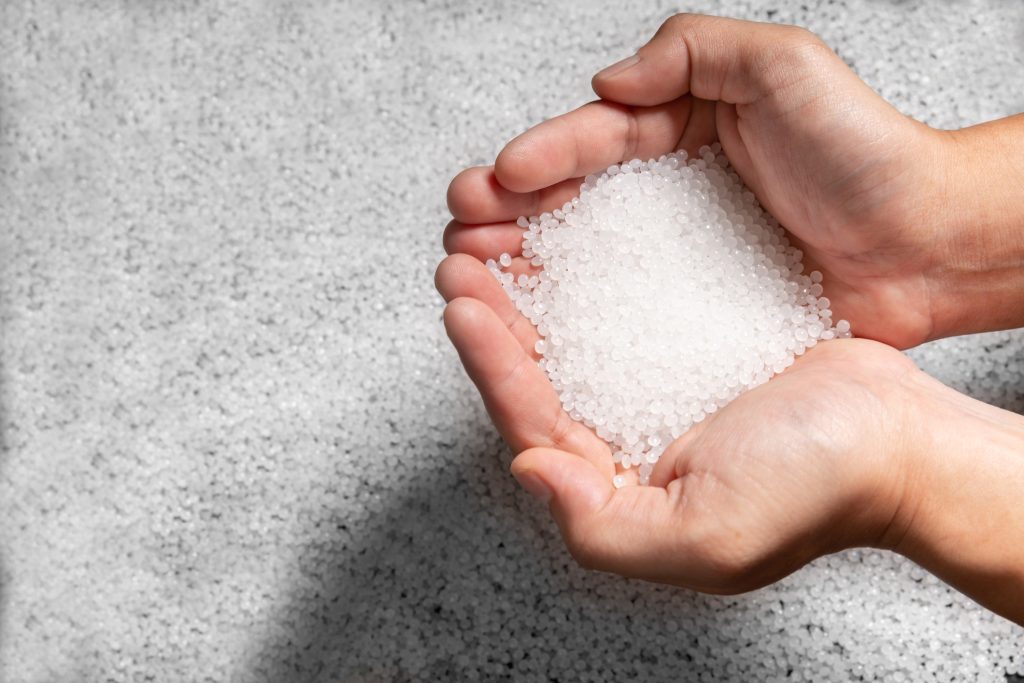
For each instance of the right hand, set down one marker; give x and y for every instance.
(852, 179)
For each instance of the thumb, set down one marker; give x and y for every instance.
(570, 484)
(709, 57)
(632, 531)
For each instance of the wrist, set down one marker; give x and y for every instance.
(976, 232)
(958, 511)
(929, 407)
(891, 439)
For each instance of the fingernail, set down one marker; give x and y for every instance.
(618, 67)
(534, 485)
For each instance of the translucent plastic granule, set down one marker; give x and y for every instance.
(661, 293)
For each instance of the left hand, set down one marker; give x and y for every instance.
(812, 462)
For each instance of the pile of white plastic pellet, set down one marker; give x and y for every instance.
(662, 293)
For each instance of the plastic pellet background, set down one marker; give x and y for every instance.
(236, 445)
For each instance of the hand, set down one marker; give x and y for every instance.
(807, 464)
(859, 186)
(850, 446)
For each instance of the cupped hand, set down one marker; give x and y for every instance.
(811, 462)
(854, 181)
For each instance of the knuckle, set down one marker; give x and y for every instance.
(682, 23)
(676, 21)
(514, 375)
(632, 136)
(801, 47)
(560, 429)
(800, 35)
(794, 55)
(518, 326)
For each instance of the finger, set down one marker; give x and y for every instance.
(575, 489)
(476, 196)
(483, 241)
(517, 393)
(588, 140)
(460, 275)
(634, 531)
(700, 128)
(675, 461)
(728, 131)
(709, 57)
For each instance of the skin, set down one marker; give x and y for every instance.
(853, 445)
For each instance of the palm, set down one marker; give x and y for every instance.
(746, 497)
(781, 475)
(841, 184)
